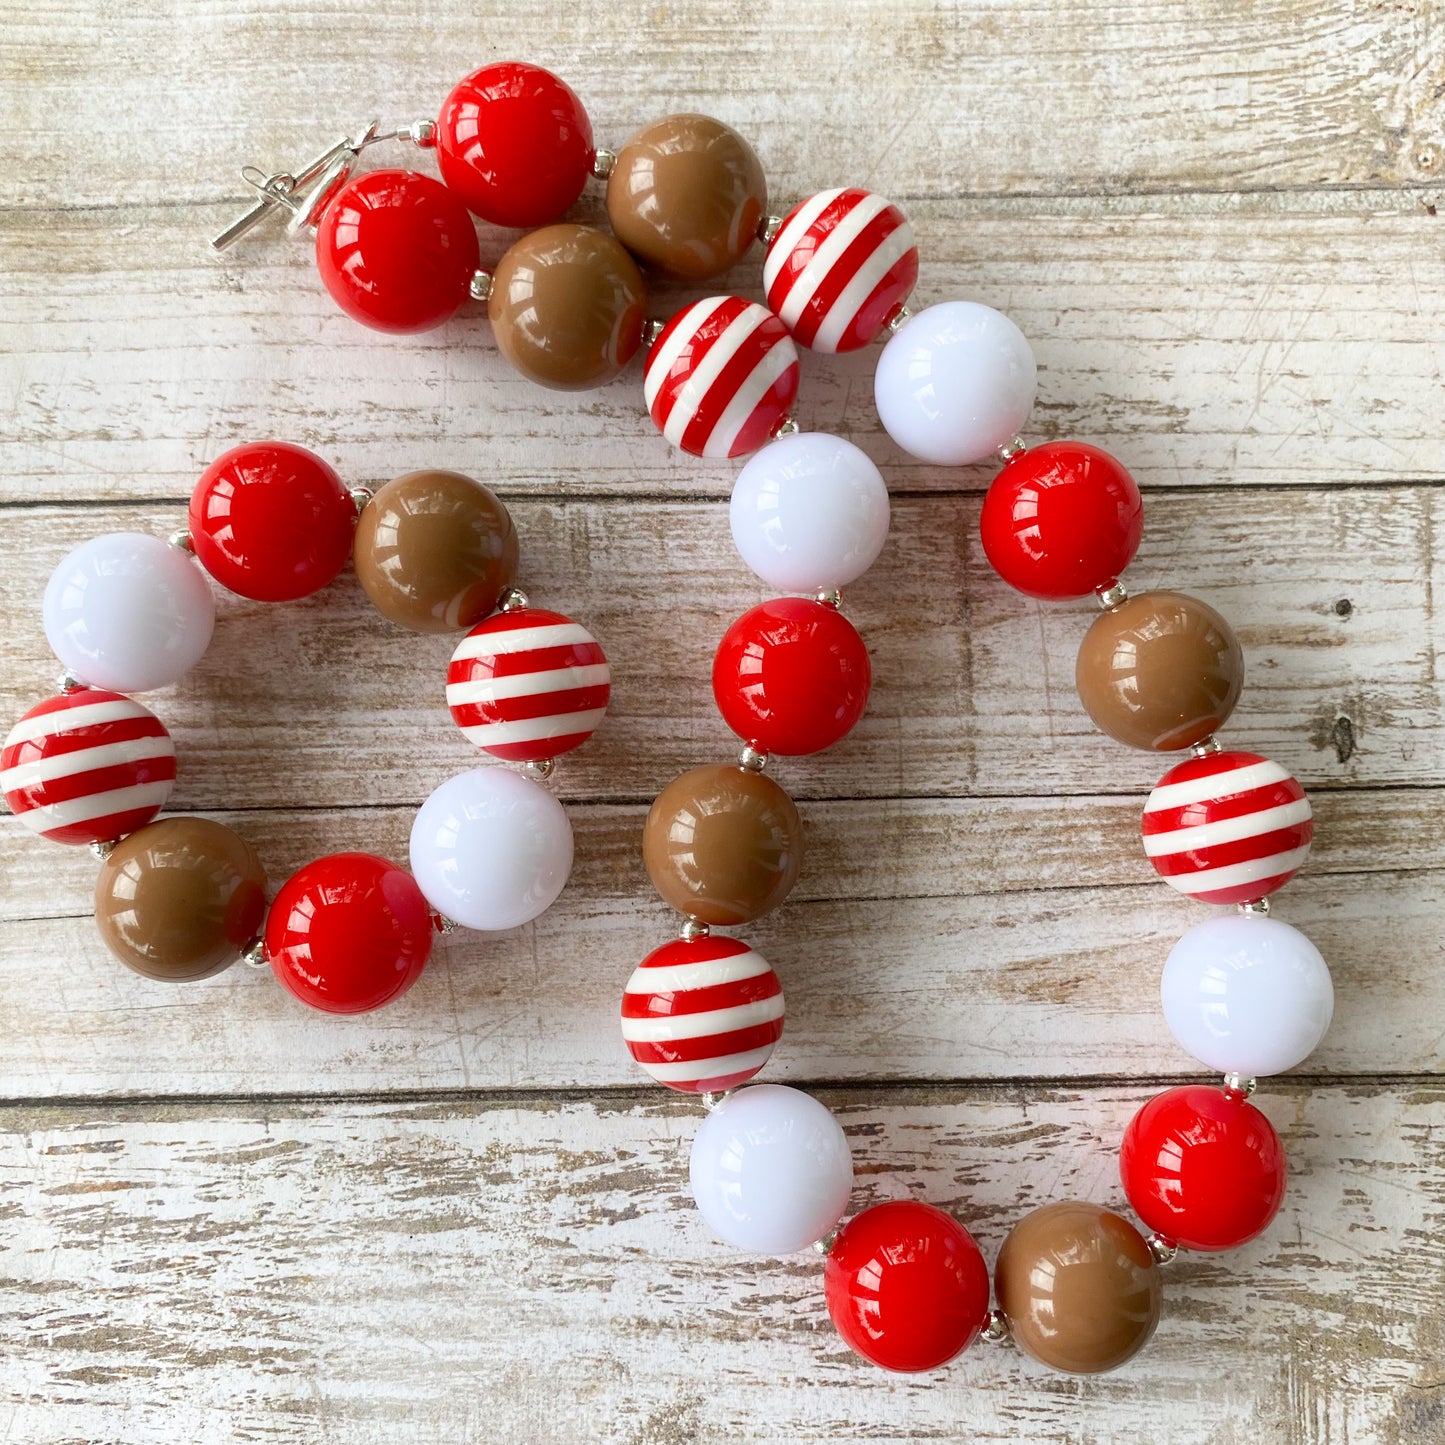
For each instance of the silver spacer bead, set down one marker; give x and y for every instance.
(768, 229)
(254, 954)
(604, 162)
(1239, 1084)
(899, 318)
(651, 330)
(1111, 596)
(181, 541)
(103, 850)
(1206, 747)
(420, 133)
(825, 1245)
(995, 1330)
(751, 759)
(360, 498)
(68, 682)
(540, 768)
(694, 929)
(512, 600)
(481, 286)
(1259, 906)
(1010, 449)
(829, 597)
(785, 428)
(1162, 1249)
(711, 1101)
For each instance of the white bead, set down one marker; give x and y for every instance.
(955, 383)
(128, 612)
(771, 1171)
(491, 849)
(809, 513)
(1247, 994)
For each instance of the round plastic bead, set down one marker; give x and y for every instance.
(809, 513)
(791, 676)
(721, 377)
(1227, 827)
(723, 845)
(955, 382)
(514, 142)
(527, 685)
(1159, 671)
(397, 251)
(271, 521)
(1203, 1167)
(906, 1286)
(771, 1171)
(702, 1015)
(128, 612)
(567, 307)
(1061, 520)
(1247, 994)
(491, 849)
(1079, 1287)
(348, 933)
(180, 899)
(87, 767)
(685, 196)
(840, 267)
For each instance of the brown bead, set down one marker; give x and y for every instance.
(568, 306)
(180, 899)
(686, 196)
(1079, 1286)
(435, 551)
(723, 845)
(1160, 671)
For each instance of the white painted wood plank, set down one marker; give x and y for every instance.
(535, 1271)
(1205, 340)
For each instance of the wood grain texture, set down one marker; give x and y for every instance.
(227, 1219)
(533, 1270)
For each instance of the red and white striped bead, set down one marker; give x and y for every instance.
(721, 377)
(702, 1015)
(87, 766)
(843, 262)
(1227, 827)
(527, 685)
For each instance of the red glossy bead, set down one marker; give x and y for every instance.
(906, 1286)
(1061, 519)
(397, 250)
(1203, 1167)
(349, 933)
(515, 144)
(791, 676)
(271, 521)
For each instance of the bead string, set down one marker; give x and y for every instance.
(1077, 1286)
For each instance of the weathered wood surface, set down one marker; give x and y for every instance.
(226, 1219)
(533, 1270)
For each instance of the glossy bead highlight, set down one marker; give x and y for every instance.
(1061, 520)
(271, 521)
(1247, 994)
(1079, 1287)
(397, 251)
(955, 382)
(1203, 1167)
(791, 676)
(514, 142)
(491, 849)
(348, 933)
(906, 1286)
(128, 612)
(770, 1170)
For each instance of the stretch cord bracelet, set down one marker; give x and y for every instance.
(1077, 1286)
(183, 898)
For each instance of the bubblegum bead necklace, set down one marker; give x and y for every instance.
(1076, 1286)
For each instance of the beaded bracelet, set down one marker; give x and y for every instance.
(1077, 1285)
